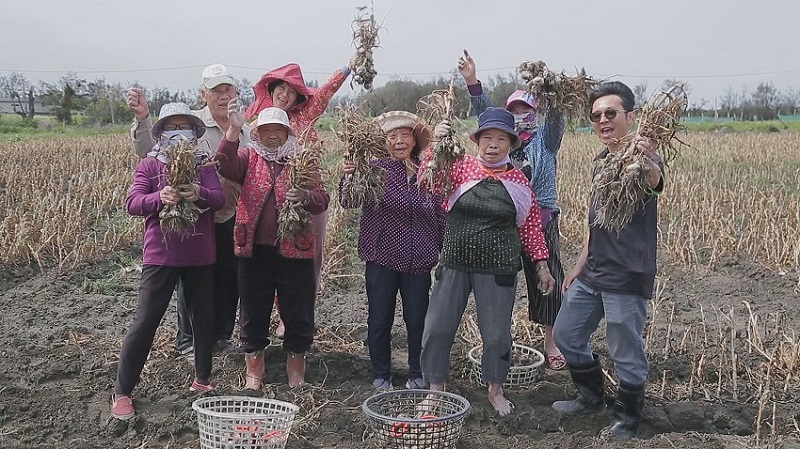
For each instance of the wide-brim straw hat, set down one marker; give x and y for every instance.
(267, 116)
(392, 120)
(497, 118)
(172, 109)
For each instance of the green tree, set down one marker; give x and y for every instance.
(105, 104)
(765, 101)
(70, 94)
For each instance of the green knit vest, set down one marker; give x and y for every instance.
(481, 235)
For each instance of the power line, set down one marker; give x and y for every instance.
(735, 75)
(497, 69)
(161, 69)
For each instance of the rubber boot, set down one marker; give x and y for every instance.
(295, 369)
(255, 370)
(627, 412)
(588, 380)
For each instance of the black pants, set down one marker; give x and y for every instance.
(226, 290)
(382, 287)
(260, 277)
(155, 291)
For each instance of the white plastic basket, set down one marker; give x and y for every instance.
(243, 422)
(519, 375)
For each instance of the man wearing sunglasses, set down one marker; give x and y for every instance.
(613, 277)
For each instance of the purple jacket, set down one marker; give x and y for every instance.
(404, 230)
(174, 250)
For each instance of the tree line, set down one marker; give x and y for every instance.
(100, 102)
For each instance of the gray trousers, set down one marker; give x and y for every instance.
(581, 311)
(494, 303)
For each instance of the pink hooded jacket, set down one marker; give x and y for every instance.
(304, 113)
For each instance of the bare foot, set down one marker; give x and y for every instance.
(280, 330)
(431, 402)
(503, 406)
(295, 369)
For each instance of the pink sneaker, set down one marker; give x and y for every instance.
(122, 407)
(201, 388)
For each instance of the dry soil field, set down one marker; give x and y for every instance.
(723, 338)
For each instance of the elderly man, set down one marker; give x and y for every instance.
(218, 88)
(613, 277)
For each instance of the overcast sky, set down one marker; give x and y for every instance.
(709, 44)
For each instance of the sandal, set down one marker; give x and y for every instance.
(556, 362)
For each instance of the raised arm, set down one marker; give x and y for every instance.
(141, 129)
(477, 98)
(551, 132)
(232, 162)
(319, 102)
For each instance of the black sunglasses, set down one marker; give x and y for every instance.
(609, 113)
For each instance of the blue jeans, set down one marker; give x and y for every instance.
(382, 287)
(581, 311)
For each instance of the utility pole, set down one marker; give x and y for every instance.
(111, 106)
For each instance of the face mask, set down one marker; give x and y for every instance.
(524, 117)
(525, 124)
(178, 134)
(525, 120)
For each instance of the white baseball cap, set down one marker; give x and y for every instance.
(270, 115)
(217, 74)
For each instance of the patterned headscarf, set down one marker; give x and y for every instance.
(280, 155)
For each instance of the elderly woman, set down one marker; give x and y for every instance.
(286, 89)
(169, 257)
(537, 158)
(492, 217)
(399, 239)
(267, 263)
